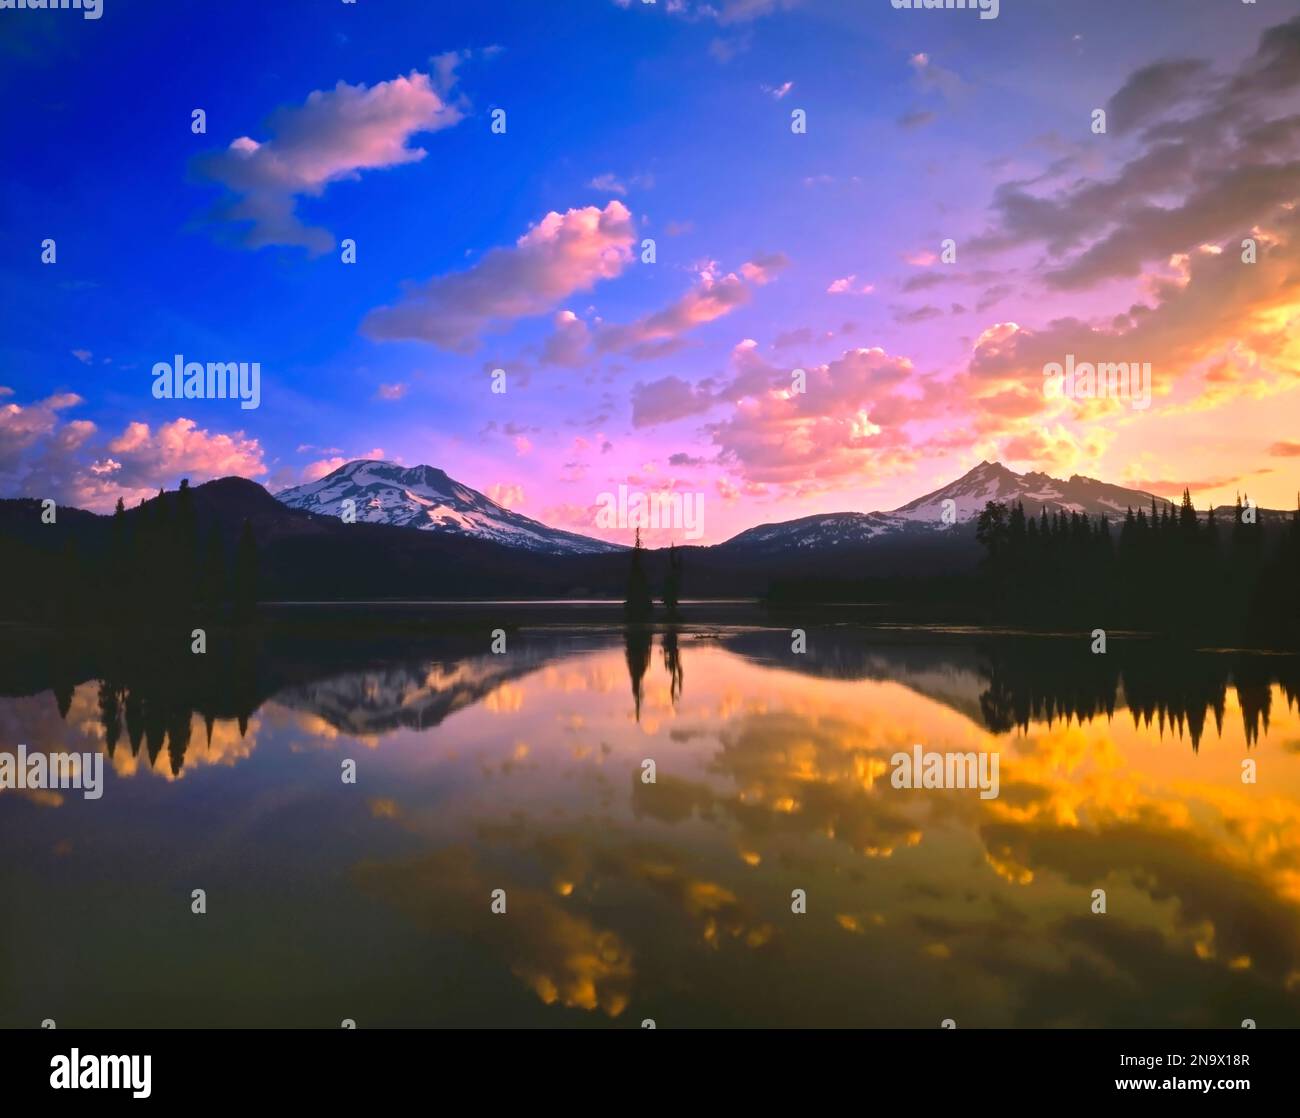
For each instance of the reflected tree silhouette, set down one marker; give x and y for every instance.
(673, 664)
(636, 642)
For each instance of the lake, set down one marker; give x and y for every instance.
(675, 901)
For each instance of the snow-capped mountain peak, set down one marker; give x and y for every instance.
(989, 481)
(424, 497)
(992, 481)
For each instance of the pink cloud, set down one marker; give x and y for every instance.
(314, 471)
(559, 256)
(508, 495)
(764, 269)
(667, 399)
(608, 183)
(138, 462)
(847, 425)
(845, 286)
(22, 427)
(334, 135)
(709, 299)
(578, 518)
(567, 344)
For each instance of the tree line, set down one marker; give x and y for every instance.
(155, 563)
(638, 603)
(1167, 570)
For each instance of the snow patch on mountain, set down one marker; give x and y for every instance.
(992, 481)
(989, 481)
(426, 498)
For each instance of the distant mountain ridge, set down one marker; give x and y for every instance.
(992, 481)
(989, 481)
(425, 498)
(309, 554)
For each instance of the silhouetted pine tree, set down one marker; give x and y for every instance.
(638, 606)
(1065, 567)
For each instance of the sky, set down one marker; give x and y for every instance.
(704, 242)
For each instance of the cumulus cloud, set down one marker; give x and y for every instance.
(1153, 90)
(508, 495)
(21, 427)
(44, 455)
(667, 399)
(1209, 164)
(608, 183)
(561, 255)
(765, 268)
(682, 459)
(334, 135)
(712, 296)
(1212, 159)
(916, 314)
(848, 423)
(1056, 449)
(323, 467)
(1208, 305)
(848, 285)
(150, 458)
(567, 344)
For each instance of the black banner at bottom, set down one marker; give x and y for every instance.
(363, 1066)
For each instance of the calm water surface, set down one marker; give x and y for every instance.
(672, 900)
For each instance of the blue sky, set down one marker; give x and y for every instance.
(672, 121)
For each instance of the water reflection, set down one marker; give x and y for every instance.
(636, 643)
(668, 900)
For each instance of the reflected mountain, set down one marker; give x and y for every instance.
(148, 702)
(521, 772)
(414, 696)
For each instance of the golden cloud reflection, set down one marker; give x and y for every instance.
(1200, 870)
(674, 898)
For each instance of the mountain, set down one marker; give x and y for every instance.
(892, 541)
(313, 556)
(992, 481)
(914, 521)
(426, 498)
